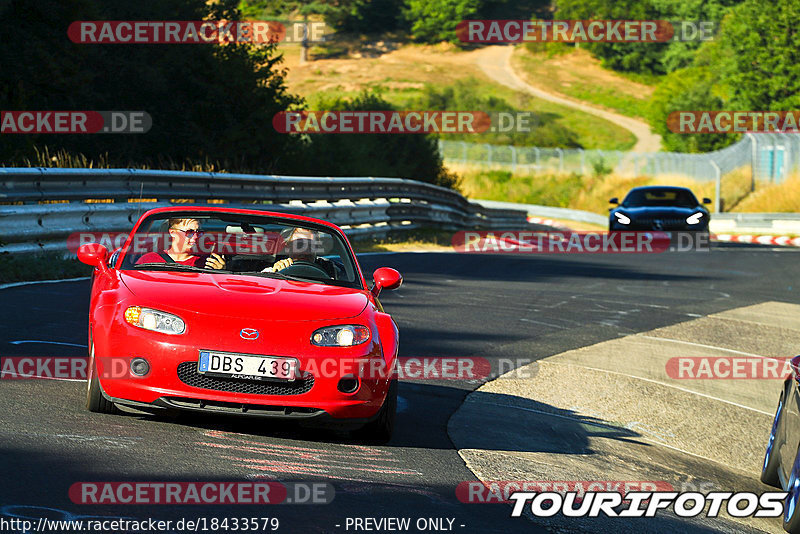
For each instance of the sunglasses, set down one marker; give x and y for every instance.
(190, 233)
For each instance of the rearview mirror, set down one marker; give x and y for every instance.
(614, 200)
(385, 278)
(706, 200)
(94, 254)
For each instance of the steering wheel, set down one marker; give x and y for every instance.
(305, 269)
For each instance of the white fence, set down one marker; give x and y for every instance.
(772, 157)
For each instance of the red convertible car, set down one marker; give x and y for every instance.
(245, 312)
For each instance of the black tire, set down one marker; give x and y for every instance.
(791, 515)
(380, 430)
(769, 470)
(95, 402)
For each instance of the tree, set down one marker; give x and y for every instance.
(414, 156)
(207, 102)
(689, 89)
(433, 21)
(758, 54)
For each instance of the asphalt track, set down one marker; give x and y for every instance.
(451, 305)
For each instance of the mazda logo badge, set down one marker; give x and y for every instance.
(248, 333)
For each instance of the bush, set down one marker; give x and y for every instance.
(690, 89)
(414, 156)
(463, 96)
(432, 21)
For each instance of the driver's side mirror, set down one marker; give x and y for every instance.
(795, 365)
(706, 200)
(94, 254)
(614, 200)
(385, 278)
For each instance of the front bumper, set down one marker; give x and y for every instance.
(315, 417)
(637, 226)
(174, 383)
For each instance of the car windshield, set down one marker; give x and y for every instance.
(247, 245)
(660, 197)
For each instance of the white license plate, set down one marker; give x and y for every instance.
(246, 366)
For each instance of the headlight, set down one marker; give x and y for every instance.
(155, 320)
(694, 219)
(340, 336)
(622, 218)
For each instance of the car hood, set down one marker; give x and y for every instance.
(231, 295)
(659, 211)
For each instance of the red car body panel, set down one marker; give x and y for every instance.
(215, 308)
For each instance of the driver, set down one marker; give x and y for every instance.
(184, 234)
(301, 244)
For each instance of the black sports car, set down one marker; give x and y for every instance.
(659, 208)
(782, 462)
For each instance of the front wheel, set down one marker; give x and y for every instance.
(791, 514)
(380, 430)
(95, 402)
(769, 471)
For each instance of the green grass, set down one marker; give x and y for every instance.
(589, 132)
(576, 75)
(591, 192)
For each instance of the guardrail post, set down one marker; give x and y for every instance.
(560, 160)
(464, 152)
(537, 157)
(583, 161)
(489, 153)
(717, 187)
(753, 160)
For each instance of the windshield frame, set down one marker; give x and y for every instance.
(148, 218)
(678, 190)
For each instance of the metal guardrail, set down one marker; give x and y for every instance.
(549, 212)
(361, 206)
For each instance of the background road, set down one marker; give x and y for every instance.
(490, 306)
(495, 61)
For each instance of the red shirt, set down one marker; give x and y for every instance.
(154, 257)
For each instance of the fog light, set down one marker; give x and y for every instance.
(139, 366)
(348, 384)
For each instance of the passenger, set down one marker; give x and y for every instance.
(301, 244)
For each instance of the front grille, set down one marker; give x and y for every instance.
(665, 223)
(187, 372)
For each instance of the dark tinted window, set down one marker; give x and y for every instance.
(660, 197)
